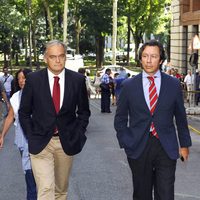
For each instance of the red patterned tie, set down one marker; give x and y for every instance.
(56, 93)
(153, 97)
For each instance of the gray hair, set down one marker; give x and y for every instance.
(55, 42)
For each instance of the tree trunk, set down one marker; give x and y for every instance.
(47, 24)
(34, 42)
(128, 36)
(78, 29)
(60, 19)
(16, 59)
(138, 40)
(46, 5)
(100, 44)
(65, 21)
(30, 33)
(114, 33)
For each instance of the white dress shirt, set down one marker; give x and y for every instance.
(61, 82)
(189, 79)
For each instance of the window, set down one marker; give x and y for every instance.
(196, 5)
(185, 5)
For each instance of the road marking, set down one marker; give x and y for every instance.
(95, 105)
(194, 129)
(187, 195)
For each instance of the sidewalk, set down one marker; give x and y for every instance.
(193, 111)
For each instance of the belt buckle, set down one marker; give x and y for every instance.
(55, 134)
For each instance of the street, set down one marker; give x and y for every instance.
(100, 171)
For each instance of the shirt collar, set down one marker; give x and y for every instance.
(157, 74)
(51, 75)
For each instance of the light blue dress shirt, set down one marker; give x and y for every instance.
(146, 84)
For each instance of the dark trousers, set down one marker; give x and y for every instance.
(197, 96)
(153, 170)
(31, 185)
(105, 100)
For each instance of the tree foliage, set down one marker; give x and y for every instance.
(146, 17)
(89, 21)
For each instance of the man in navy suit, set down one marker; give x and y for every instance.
(149, 138)
(54, 120)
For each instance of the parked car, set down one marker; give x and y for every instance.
(116, 69)
(120, 56)
(108, 55)
(74, 61)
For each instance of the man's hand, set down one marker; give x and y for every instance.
(184, 152)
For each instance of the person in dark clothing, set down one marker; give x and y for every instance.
(105, 92)
(151, 126)
(197, 88)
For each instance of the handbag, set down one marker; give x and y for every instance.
(3, 109)
(3, 113)
(104, 86)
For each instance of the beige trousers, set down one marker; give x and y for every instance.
(51, 169)
(190, 94)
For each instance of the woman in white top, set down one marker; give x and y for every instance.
(97, 82)
(20, 139)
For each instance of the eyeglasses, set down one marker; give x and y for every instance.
(153, 56)
(59, 57)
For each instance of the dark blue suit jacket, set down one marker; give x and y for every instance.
(38, 117)
(133, 118)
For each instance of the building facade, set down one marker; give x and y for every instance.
(185, 25)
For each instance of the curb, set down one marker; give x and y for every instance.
(192, 111)
(193, 117)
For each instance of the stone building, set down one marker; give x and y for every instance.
(185, 25)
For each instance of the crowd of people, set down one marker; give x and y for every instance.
(191, 88)
(50, 111)
(110, 96)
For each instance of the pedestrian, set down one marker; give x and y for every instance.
(4, 106)
(105, 91)
(6, 79)
(91, 89)
(144, 121)
(118, 81)
(54, 113)
(197, 87)
(97, 82)
(115, 87)
(89, 86)
(20, 140)
(189, 82)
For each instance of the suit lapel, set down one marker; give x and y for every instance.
(46, 90)
(67, 90)
(163, 87)
(141, 92)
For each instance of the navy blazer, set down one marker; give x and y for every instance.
(133, 118)
(38, 117)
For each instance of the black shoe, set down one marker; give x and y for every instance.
(108, 112)
(102, 111)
